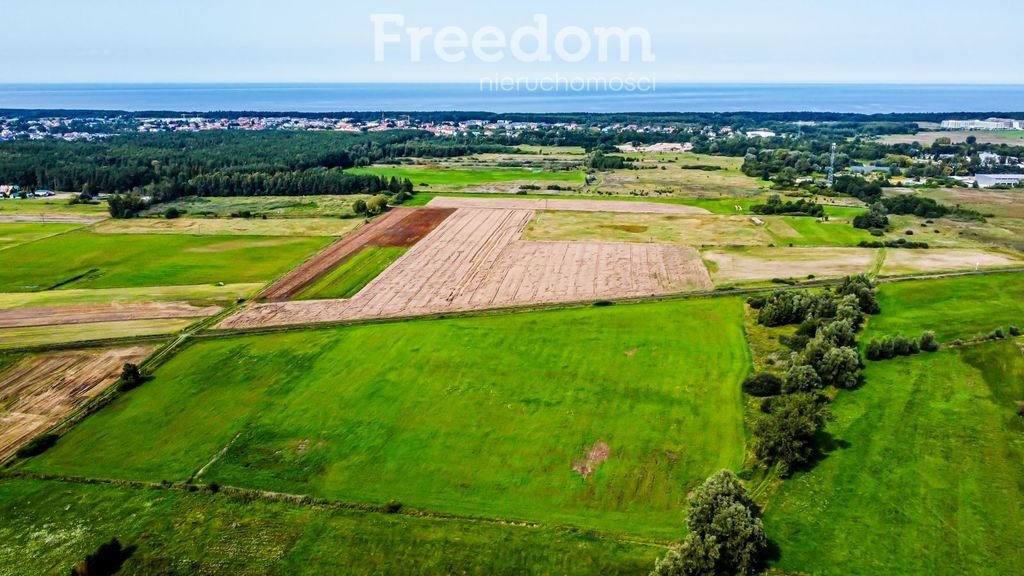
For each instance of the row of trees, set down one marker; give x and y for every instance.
(824, 355)
(891, 347)
(800, 207)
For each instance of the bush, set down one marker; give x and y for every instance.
(106, 561)
(172, 213)
(1014, 331)
(37, 446)
(131, 378)
(393, 507)
(762, 385)
(928, 343)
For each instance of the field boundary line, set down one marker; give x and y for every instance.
(249, 494)
(213, 460)
(81, 226)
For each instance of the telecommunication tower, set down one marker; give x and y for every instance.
(832, 167)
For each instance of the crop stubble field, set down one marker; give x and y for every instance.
(39, 390)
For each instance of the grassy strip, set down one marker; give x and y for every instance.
(352, 275)
(50, 525)
(36, 336)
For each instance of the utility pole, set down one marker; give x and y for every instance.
(832, 167)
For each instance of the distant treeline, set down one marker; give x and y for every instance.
(220, 163)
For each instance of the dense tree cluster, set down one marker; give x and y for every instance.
(220, 163)
(800, 207)
(824, 355)
(876, 218)
(726, 536)
(893, 346)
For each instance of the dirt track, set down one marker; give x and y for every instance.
(398, 227)
(40, 390)
(476, 260)
(92, 313)
(565, 205)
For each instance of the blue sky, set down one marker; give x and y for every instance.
(756, 41)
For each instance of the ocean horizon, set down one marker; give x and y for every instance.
(330, 98)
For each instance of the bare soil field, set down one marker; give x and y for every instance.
(398, 227)
(762, 264)
(565, 205)
(476, 260)
(39, 391)
(913, 261)
(92, 313)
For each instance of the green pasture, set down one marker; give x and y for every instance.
(460, 178)
(352, 275)
(504, 416)
(17, 233)
(953, 308)
(49, 527)
(87, 260)
(925, 475)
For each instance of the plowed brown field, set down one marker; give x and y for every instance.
(92, 313)
(398, 227)
(476, 260)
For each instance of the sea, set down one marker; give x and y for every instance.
(313, 98)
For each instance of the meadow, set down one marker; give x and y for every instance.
(592, 417)
(46, 335)
(924, 476)
(49, 526)
(16, 233)
(82, 259)
(459, 178)
(940, 305)
(232, 226)
(352, 275)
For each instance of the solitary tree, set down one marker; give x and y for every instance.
(726, 535)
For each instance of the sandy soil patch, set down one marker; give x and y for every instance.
(398, 227)
(90, 313)
(912, 261)
(565, 205)
(753, 264)
(39, 391)
(476, 260)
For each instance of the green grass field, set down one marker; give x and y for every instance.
(50, 526)
(352, 275)
(15, 234)
(198, 295)
(482, 416)
(460, 178)
(927, 476)
(48, 206)
(810, 232)
(86, 260)
(953, 308)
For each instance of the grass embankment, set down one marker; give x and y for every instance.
(87, 260)
(594, 417)
(50, 526)
(352, 275)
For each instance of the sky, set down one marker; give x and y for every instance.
(725, 41)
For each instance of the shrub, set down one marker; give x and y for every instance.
(106, 561)
(762, 385)
(172, 213)
(1014, 331)
(131, 378)
(928, 343)
(393, 507)
(1020, 408)
(37, 446)
(801, 378)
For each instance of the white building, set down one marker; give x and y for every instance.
(760, 134)
(989, 124)
(990, 180)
